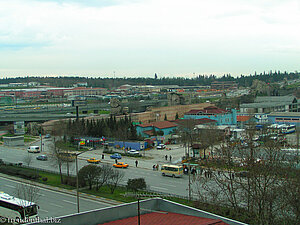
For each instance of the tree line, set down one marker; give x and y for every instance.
(122, 128)
(200, 80)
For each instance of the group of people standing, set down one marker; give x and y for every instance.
(170, 157)
(155, 167)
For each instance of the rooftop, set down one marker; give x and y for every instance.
(165, 218)
(207, 110)
(159, 124)
(194, 121)
(152, 211)
(262, 99)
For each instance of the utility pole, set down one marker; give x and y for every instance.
(139, 217)
(41, 142)
(189, 181)
(297, 136)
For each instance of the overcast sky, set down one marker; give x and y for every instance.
(133, 38)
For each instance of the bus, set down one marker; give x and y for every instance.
(17, 210)
(172, 170)
(288, 129)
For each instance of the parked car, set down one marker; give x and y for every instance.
(42, 157)
(116, 156)
(120, 165)
(161, 146)
(47, 136)
(93, 160)
(133, 152)
(33, 149)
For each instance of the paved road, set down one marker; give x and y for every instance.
(154, 179)
(53, 203)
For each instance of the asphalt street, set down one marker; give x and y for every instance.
(154, 179)
(53, 203)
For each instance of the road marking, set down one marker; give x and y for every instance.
(40, 194)
(170, 185)
(70, 202)
(56, 205)
(9, 185)
(160, 188)
(43, 210)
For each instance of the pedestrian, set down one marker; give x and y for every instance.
(157, 167)
(185, 170)
(153, 167)
(166, 157)
(136, 163)
(116, 161)
(102, 156)
(170, 158)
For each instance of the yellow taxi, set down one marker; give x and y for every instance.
(93, 160)
(120, 165)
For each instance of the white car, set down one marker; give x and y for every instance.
(33, 149)
(133, 152)
(161, 146)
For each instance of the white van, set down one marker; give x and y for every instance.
(34, 149)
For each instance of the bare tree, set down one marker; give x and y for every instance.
(27, 192)
(27, 159)
(114, 179)
(257, 181)
(56, 157)
(187, 133)
(103, 176)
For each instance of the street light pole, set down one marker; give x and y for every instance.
(189, 173)
(77, 180)
(41, 142)
(77, 185)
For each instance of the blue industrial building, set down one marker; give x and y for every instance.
(165, 127)
(288, 118)
(223, 117)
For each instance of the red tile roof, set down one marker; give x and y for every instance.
(196, 121)
(242, 118)
(193, 111)
(167, 218)
(159, 124)
(210, 110)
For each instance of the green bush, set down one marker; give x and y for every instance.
(136, 184)
(71, 181)
(19, 172)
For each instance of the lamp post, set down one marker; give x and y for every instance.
(77, 180)
(77, 185)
